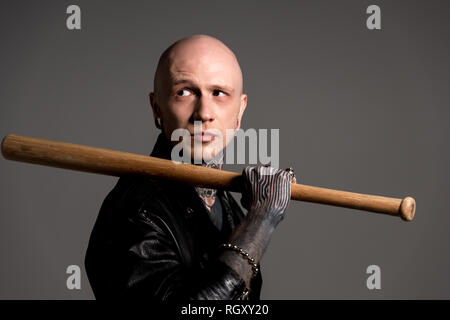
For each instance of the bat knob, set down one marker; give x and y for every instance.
(407, 208)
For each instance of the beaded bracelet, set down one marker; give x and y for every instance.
(251, 261)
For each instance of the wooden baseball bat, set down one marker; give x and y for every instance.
(117, 163)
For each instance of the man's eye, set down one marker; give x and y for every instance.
(183, 93)
(219, 93)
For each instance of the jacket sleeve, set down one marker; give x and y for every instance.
(154, 269)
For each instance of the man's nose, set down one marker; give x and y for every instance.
(204, 110)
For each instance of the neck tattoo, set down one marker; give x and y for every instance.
(207, 195)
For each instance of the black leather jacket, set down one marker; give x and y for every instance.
(155, 240)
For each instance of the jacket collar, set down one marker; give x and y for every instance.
(163, 149)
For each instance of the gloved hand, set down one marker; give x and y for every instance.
(267, 192)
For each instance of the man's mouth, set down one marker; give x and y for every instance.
(203, 136)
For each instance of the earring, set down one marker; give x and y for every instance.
(158, 123)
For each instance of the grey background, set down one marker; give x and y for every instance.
(358, 110)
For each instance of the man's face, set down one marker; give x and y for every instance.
(201, 84)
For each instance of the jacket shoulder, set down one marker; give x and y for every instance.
(128, 200)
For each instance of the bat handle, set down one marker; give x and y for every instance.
(403, 208)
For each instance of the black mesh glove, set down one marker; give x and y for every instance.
(267, 192)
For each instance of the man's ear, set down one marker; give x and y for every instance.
(243, 105)
(155, 109)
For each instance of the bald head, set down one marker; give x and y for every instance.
(194, 50)
(198, 78)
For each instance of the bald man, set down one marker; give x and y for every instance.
(167, 241)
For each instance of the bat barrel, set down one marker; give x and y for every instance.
(111, 162)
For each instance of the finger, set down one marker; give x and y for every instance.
(291, 172)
